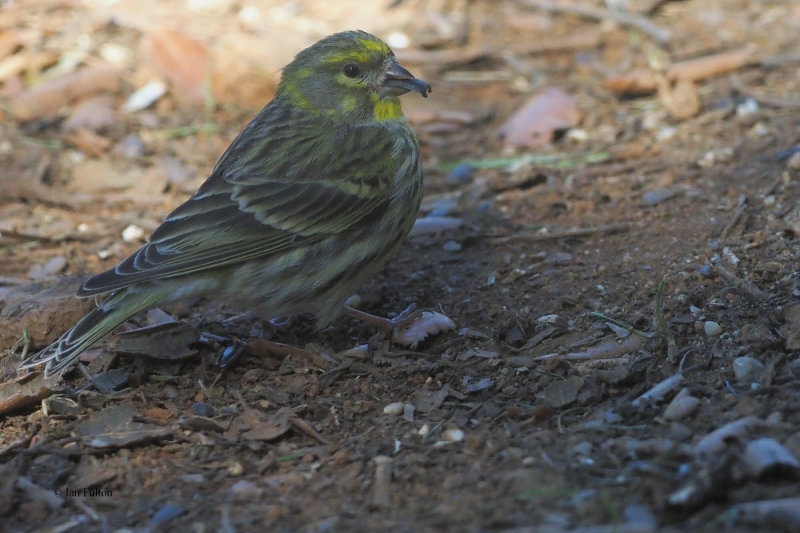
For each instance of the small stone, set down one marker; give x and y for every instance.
(132, 233)
(408, 412)
(765, 455)
(453, 435)
(461, 175)
(582, 448)
(747, 108)
(54, 266)
(681, 406)
(167, 513)
(747, 369)
(451, 246)
(235, 469)
(578, 135)
(145, 96)
(794, 161)
(394, 408)
(442, 208)
(131, 146)
(712, 329)
(657, 195)
(203, 409)
(244, 490)
(706, 271)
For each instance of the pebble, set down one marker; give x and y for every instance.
(132, 233)
(461, 175)
(203, 409)
(131, 146)
(765, 455)
(167, 513)
(51, 268)
(244, 490)
(681, 406)
(145, 96)
(747, 108)
(451, 246)
(747, 369)
(657, 195)
(453, 435)
(408, 412)
(394, 408)
(794, 161)
(707, 271)
(442, 208)
(712, 329)
(235, 469)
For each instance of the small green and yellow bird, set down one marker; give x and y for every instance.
(307, 203)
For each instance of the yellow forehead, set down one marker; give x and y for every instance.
(374, 46)
(365, 51)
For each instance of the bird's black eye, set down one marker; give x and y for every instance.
(351, 70)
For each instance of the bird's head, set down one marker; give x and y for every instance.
(349, 76)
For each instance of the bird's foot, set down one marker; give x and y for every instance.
(386, 325)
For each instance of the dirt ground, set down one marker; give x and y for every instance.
(619, 258)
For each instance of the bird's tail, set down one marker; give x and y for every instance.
(118, 307)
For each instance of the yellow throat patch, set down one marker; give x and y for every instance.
(386, 108)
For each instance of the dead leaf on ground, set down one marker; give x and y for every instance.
(114, 427)
(182, 60)
(45, 312)
(253, 424)
(426, 401)
(46, 99)
(94, 113)
(23, 393)
(89, 142)
(93, 472)
(168, 340)
(562, 393)
(681, 100)
(427, 324)
(542, 115)
(791, 329)
(9, 42)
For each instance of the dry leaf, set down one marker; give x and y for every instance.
(644, 81)
(45, 100)
(426, 324)
(88, 141)
(168, 340)
(94, 113)
(682, 101)
(114, 427)
(182, 60)
(545, 113)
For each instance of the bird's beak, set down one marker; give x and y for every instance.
(398, 80)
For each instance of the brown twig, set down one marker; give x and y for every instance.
(748, 288)
(645, 80)
(770, 101)
(605, 350)
(308, 429)
(740, 207)
(566, 234)
(626, 19)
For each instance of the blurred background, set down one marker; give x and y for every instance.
(636, 159)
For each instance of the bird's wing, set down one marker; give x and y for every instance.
(274, 189)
